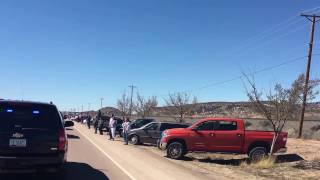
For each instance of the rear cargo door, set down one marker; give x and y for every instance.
(151, 132)
(26, 130)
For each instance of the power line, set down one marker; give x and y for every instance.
(242, 76)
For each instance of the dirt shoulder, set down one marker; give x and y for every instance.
(302, 161)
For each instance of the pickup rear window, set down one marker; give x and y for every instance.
(29, 116)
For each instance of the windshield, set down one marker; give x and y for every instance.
(28, 116)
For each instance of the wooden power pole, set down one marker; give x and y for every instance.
(313, 19)
(130, 110)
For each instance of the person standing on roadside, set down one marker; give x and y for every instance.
(112, 126)
(100, 123)
(96, 122)
(89, 121)
(126, 128)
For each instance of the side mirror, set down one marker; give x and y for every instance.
(68, 124)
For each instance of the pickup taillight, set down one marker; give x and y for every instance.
(62, 141)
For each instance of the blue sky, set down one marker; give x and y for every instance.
(73, 52)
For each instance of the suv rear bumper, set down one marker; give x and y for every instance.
(31, 162)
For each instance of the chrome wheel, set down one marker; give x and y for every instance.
(134, 139)
(175, 150)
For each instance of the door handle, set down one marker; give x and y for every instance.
(239, 135)
(212, 134)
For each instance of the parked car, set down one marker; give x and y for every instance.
(32, 136)
(138, 123)
(220, 135)
(151, 132)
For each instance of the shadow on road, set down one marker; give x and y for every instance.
(72, 171)
(283, 158)
(70, 136)
(230, 162)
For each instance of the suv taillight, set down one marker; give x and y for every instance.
(62, 141)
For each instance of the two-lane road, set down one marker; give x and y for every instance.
(93, 157)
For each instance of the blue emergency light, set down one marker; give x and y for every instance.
(35, 112)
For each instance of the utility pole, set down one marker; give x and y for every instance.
(132, 87)
(101, 99)
(313, 19)
(81, 108)
(89, 104)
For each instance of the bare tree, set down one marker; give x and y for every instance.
(123, 105)
(180, 104)
(145, 107)
(278, 107)
(298, 89)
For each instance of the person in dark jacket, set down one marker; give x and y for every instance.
(100, 123)
(89, 121)
(96, 122)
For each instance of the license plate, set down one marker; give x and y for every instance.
(18, 143)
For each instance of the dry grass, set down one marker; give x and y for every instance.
(265, 163)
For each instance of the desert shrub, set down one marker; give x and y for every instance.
(315, 127)
(292, 132)
(247, 124)
(307, 135)
(316, 135)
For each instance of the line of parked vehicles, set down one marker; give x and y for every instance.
(33, 136)
(220, 135)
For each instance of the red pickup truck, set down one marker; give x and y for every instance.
(220, 135)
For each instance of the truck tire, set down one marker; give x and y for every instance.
(134, 139)
(257, 153)
(176, 150)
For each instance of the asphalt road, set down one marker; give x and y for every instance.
(85, 162)
(94, 157)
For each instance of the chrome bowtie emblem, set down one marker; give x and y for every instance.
(17, 135)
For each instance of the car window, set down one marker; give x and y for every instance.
(44, 117)
(206, 126)
(152, 126)
(226, 126)
(165, 126)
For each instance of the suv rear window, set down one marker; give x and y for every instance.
(29, 116)
(165, 126)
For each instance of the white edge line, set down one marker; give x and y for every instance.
(107, 155)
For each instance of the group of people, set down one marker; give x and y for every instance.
(99, 124)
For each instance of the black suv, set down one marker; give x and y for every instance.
(151, 132)
(32, 136)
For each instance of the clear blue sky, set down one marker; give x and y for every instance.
(73, 52)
